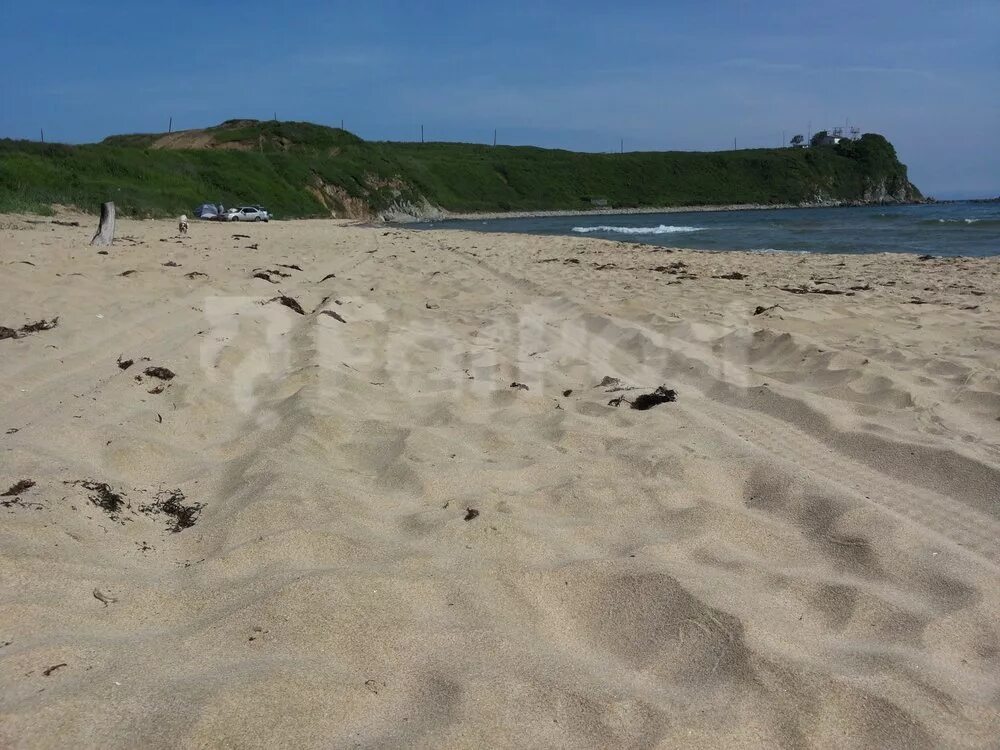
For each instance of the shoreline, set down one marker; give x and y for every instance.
(710, 208)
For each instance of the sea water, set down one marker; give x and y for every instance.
(964, 228)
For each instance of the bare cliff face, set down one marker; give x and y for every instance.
(890, 190)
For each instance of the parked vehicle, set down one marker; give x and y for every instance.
(207, 212)
(248, 213)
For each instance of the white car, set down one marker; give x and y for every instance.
(247, 213)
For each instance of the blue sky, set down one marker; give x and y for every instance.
(580, 75)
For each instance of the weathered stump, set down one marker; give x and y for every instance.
(106, 229)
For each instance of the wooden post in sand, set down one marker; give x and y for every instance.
(106, 230)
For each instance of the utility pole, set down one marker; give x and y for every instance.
(43, 134)
(734, 143)
(275, 116)
(783, 139)
(421, 133)
(494, 137)
(623, 145)
(170, 127)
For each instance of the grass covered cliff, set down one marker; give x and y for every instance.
(302, 170)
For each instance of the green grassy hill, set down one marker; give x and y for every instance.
(300, 170)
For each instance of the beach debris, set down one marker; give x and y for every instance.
(159, 372)
(431, 306)
(15, 492)
(334, 315)
(66, 223)
(104, 598)
(470, 513)
(288, 265)
(254, 246)
(519, 386)
(124, 364)
(18, 487)
(263, 275)
(171, 264)
(760, 309)
(604, 266)
(128, 272)
(12, 431)
(105, 235)
(568, 392)
(290, 302)
(572, 260)
(925, 257)
(661, 395)
(53, 668)
(241, 236)
(328, 276)
(733, 275)
(808, 290)
(258, 632)
(28, 328)
(103, 497)
(156, 391)
(171, 503)
(609, 382)
(195, 274)
(41, 325)
(273, 272)
(676, 267)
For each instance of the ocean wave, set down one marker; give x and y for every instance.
(775, 250)
(662, 229)
(962, 222)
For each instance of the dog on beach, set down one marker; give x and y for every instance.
(182, 225)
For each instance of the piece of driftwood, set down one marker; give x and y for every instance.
(106, 230)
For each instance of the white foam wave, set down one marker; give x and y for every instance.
(776, 250)
(662, 229)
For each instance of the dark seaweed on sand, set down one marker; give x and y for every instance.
(332, 314)
(159, 372)
(290, 302)
(41, 325)
(171, 503)
(15, 492)
(29, 328)
(661, 395)
(23, 486)
(103, 496)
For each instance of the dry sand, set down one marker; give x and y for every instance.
(801, 551)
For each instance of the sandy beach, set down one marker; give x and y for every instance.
(320, 484)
